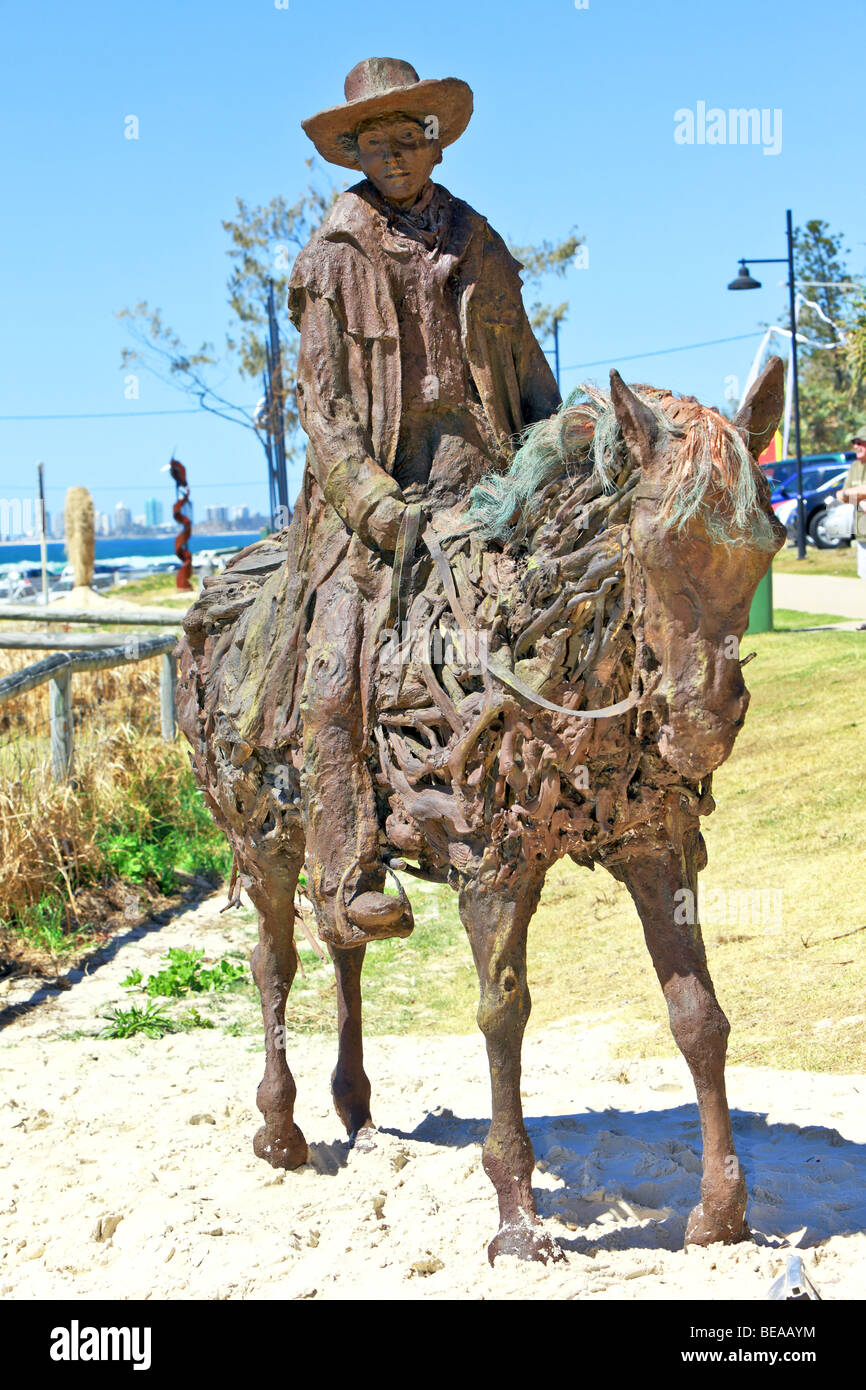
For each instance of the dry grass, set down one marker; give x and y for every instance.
(130, 809)
(123, 695)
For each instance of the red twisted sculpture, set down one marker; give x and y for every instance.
(181, 550)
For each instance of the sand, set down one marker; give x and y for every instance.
(126, 1167)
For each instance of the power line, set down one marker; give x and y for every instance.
(660, 352)
(107, 415)
(575, 367)
(152, 488)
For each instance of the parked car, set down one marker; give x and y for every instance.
(103, 578)
(21, 589)
(778, 472)
(823, 475)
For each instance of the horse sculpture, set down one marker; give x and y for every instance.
(566, 682)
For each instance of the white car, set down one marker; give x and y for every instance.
(837, 521)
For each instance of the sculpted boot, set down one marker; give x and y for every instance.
(358, 912)
(364, 913)
(345, 874)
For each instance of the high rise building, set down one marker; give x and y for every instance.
(122, 517)
(153, 512)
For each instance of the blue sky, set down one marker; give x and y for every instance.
(573, 126)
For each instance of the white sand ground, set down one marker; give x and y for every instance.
(126, 1168)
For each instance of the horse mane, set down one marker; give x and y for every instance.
(584, 437)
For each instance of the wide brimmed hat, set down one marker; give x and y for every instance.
(381, 87)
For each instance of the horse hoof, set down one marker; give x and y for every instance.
(728, 1227)
(364, 1140)
(525, 1242)
(281, 1155)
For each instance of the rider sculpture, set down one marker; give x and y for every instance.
(417, 369)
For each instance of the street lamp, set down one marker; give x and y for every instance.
(744, 281)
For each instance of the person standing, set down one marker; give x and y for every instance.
(854, 490)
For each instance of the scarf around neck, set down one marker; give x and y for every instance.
(425, 222)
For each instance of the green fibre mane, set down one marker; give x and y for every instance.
(713, 456)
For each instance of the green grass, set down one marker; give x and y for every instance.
(152, 1021)
(790, 817)
(183, 973)
(155, 588)
(838, 562)
(423, 984)
(792, 619)
(153, 839)
(45, 929)
(162, 829)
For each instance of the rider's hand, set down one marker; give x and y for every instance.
(383, 523)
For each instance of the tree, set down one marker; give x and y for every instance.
(832, 388)
(539, 261)
(856, 347)
(264, 242)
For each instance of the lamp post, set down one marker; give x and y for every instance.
(744, 281)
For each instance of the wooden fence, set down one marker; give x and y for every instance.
(85, 652)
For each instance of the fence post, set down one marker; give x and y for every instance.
(60, 719)
(167, 692)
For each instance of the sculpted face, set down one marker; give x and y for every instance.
(397, 158)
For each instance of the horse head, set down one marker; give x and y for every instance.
(703, 535)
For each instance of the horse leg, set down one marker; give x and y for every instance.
(496, 921)
(700, 1029)
(350, 1085)
(271, 885)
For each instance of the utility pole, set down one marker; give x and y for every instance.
(276, 446)
(43, 548)
(801, 514)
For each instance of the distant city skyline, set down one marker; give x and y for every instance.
(20, 521)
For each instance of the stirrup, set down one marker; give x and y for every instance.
(369, 915)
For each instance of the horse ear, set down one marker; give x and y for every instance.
(761, 411)
(636, 420)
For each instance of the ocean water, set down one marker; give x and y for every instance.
(110, 548)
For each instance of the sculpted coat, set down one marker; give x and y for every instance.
(348, 299)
